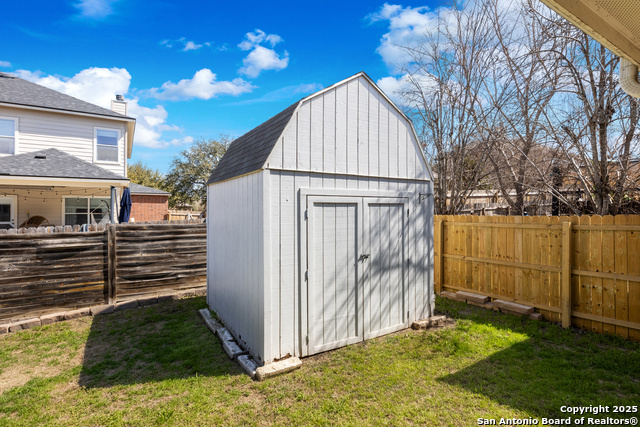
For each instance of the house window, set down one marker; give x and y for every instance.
(107, 145)
(8, 135)
(86, 210)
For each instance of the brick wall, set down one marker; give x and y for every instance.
(145, 207)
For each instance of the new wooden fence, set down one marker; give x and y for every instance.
(45, 272)
(583, 271)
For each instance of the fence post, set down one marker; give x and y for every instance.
(111, 263)
(565, 305)
(441, 258)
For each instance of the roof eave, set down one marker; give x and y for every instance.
(61, 182)
(61, 111)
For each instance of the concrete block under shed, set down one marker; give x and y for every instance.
(248, 364)
(4, 328)
(512, 307)
(277, 368)
(211, 323)
(471, 297)
(232, 349)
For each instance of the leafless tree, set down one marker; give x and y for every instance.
(444, 95)
(599, 123)
(523, 86)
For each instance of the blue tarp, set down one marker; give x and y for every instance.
(125, 206)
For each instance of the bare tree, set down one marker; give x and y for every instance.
(598, 123)
(523, 86)
(444, 96)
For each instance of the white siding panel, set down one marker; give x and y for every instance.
(304, 137)
(317, 128)
(329, 133)
(290, 145)
(236, 242)
(352, 127)
(363, 127)
(341, 120)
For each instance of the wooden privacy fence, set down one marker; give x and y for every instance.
(583, 271)
(42, 273)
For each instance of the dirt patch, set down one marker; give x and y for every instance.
(19, 374)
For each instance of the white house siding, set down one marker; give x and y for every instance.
(235, 278)
(72, 134)
(285, 257)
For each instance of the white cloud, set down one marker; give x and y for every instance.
(5, 64)
(406, 26)
(399, 88)
(100, 86)
(261, 58)
(96, 85)
(203, 85)
(191, 46)
(187, 45)
(95, 9)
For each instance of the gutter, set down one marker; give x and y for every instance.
(629, 77)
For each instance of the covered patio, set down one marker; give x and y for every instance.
(49, 187)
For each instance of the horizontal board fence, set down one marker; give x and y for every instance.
(583, 271)
(43, 272)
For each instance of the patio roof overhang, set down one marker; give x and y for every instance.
(613, 23)
(30, 181)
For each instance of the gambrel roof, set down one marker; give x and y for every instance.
(250, 152)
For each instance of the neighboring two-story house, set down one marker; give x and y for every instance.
(60, 158)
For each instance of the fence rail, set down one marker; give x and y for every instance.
(583, 271)
(42, 272)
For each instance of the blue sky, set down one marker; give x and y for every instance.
(197, 69)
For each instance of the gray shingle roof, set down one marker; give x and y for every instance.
(249, 152)
(14, 90)
(53, 163)
(141, 189)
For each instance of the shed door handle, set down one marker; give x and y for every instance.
(364, 257)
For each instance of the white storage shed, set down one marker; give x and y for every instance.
(320, 226)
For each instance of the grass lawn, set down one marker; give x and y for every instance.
(161, 366)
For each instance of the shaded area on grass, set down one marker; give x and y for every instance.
(152, 344)
(551, 368)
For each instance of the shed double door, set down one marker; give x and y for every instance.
(356, 251)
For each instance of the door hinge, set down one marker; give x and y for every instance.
(407, 213)
(306, 214)
(306, 275)
(307, 339)
(408, 262)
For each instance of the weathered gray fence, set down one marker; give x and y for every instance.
(45, 272)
